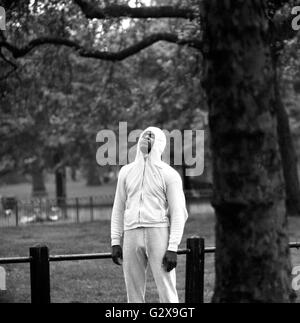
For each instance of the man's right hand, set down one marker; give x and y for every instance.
(117, 254)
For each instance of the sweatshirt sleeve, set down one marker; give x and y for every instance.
(117, 218)
(178, 212)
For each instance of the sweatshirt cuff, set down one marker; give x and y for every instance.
(115, 242)
(173, 247)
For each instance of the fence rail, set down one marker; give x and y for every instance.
(39, 260)
(15, 260)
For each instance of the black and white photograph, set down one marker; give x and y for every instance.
(149, 154)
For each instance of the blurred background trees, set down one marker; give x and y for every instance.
(55, 102)
(64, 77)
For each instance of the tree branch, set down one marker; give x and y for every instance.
(134, 49)
(12, 64)
(18, 52)
(92, 11)
(6, 60)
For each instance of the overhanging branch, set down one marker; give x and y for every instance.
(18, 52)
(134, 49)
(92, 11)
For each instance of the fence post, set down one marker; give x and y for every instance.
(194, 289)
(92, 208)
(40, 275)
(77, 210)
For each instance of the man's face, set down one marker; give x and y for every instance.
(147, 142)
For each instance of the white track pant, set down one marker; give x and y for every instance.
(143, 247)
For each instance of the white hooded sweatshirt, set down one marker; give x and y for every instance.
(149, 193)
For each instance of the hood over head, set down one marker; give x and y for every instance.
(159, 145)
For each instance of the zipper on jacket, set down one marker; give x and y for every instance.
(141, 197)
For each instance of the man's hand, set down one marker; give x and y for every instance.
(170, 260)
(117, 255)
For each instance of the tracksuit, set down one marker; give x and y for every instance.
(149, 214)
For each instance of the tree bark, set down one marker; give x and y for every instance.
(289, 157)
(252, 256)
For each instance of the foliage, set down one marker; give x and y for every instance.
(58, 101)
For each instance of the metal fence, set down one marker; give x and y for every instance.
(45, 210)
(69, 210)
(39, 260)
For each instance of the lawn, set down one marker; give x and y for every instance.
(85, 281)
(96, 281)
(74, 189)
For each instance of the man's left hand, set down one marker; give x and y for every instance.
(170, 260)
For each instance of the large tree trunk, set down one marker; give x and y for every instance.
(252, 257)
(289, 157)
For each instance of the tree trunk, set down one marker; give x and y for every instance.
(74, 174)
(60, 181)
(252, 257)
(38, 184)
(92, 174)
(289, 157)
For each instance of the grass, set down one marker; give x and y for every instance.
(84, 281)
(96, 281)
(74, 189)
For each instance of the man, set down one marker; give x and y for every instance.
(150, 211)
